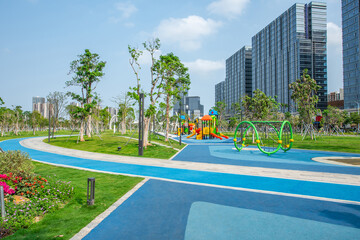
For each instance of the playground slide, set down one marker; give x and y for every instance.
(193, 133)
(214, 135)
(224, 136)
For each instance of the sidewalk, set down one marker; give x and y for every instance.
(38, 144)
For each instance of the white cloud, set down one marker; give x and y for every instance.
(126, 9)
(228, 8)
(202, 66)
(187, 32)
(334, 35)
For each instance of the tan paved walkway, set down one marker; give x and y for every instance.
(38, 144)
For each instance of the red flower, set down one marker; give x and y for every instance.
(21, 193)
(42, 186)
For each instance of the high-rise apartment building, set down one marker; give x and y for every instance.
(220, 92)
(36, 100)
(294, 41)
(38, 104)
(351, 61)
(238, 80)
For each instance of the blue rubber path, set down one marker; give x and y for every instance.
(167, 210)
(294, 159)
(327, 190)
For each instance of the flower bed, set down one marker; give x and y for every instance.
(29, 198)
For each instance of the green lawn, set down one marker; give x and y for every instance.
(329, 143)
(110, 143)
(24, 134)
(76, 214)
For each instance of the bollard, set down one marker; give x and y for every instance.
(2, 203)
(91, 191)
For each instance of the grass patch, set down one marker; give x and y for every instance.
(76, 214)
(24, 134)
(329, 143)
(110, 143)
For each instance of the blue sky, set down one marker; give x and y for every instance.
(39, 39)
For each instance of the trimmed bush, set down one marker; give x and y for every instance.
(16, 162)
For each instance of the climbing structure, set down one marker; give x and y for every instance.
(269, 136)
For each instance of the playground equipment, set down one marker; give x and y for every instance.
(269, 136)
(206, 127)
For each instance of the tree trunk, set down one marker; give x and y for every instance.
(123, 126)
(146, 132)
(167, 117)
(89, 129)
(54, 127)
(82, 131)
(34, 130)
(16, 128)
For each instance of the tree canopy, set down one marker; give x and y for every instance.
(304, 92)
(87, 70)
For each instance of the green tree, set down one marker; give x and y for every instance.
(5, 116)
(259, 106)
(17, 114)
(88, 70)
(105, 117)
(175, 82)
(355, 119)
(220, 107)
(155, 82)
(304, 94)
(58, 102)
(125, 104)
(35, 119)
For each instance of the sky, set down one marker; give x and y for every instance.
(40, 38)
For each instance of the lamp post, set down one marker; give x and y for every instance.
(2, 201)
(180, 121)
(187, 117)
(49, 122)
(358, 115)
(141, 124)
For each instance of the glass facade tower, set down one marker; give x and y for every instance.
(351, 64)
(220, 92)
(238, 80)
(294, 41)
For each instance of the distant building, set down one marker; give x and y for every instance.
(336, 99)
(238, 80)
(190, 105)
(36, 100)
(113, 111)
(351, 60)
(294, 41)
(39, 105)
(220, 92)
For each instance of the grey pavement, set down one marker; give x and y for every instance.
(38, 144)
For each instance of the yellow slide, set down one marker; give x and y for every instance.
(192, 134)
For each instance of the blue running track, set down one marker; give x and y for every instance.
(318, 189)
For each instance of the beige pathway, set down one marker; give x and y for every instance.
(38, 144)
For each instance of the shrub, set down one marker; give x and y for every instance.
(45, 196)
(7, 189)
(16, 162)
